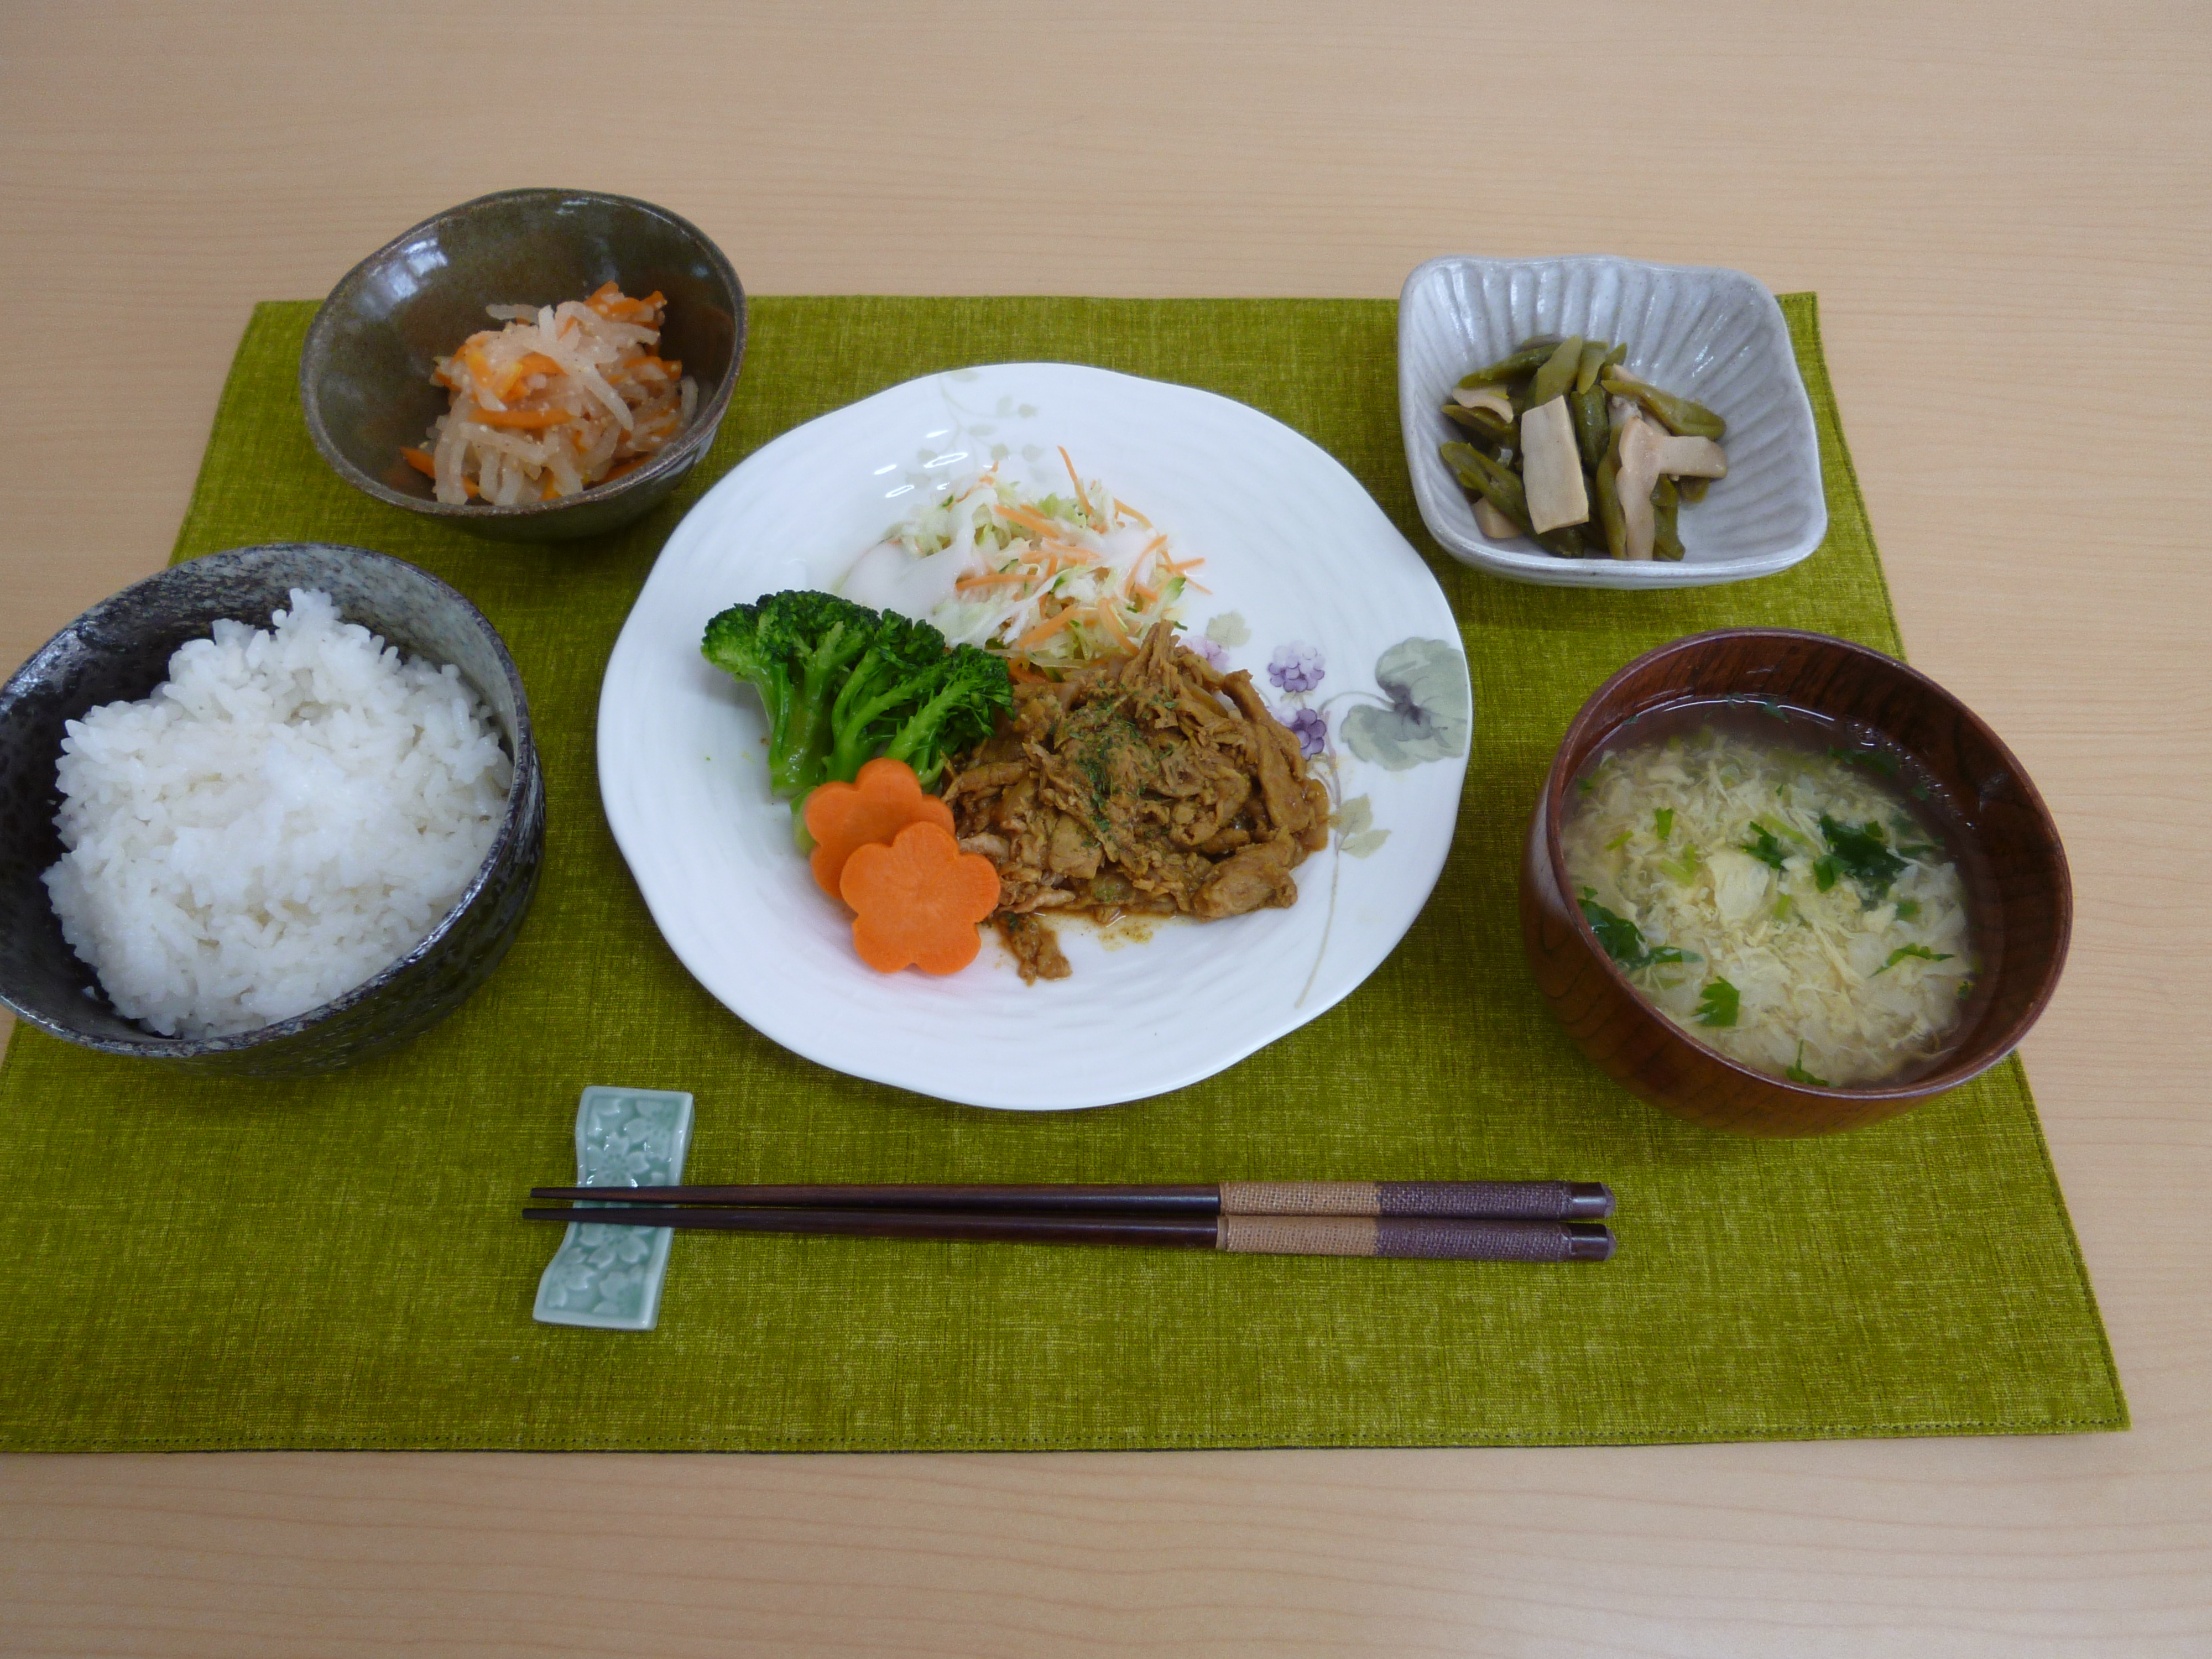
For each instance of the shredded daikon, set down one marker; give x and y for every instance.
(1776, 903)
(1048, 581)
(563, 398)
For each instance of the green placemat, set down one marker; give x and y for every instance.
(206, 1264)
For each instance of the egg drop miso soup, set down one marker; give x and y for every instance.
(1787, 893)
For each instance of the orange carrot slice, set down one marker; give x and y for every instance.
(421, 461)
(869, 811)
(918, 901)
(527, 419)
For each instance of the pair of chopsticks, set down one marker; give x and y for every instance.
(1442, 1220)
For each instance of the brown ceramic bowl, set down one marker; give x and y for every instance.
(364, 369)
(2023, 903)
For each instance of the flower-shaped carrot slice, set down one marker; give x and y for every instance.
(919, 901)
(882, 801)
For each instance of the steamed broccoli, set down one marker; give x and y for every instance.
(733, 645)
(960, 698)
(881, 690)
(841, 683)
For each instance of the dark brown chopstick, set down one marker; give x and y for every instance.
(1457, 1239)
(1525, 1201)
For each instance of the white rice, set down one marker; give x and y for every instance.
(290, 812)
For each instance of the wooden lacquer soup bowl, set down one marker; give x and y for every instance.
(2014, 867)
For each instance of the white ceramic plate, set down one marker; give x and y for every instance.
(1295, 553)
(1698, 330)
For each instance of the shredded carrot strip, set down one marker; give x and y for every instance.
(1110, 615)
(421, 461)
(1029, 520)
(1044, 630)
(1129, 512)
(528, 419)
(1072, 479)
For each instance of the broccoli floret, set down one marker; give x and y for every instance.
(733, 645)
(818, 638)
(841, 683)
(794, 649)
(891, 678)
(965, 694)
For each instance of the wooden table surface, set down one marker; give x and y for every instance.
(2006, 210)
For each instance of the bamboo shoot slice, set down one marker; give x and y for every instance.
(1691, 458)
(1640, 472)
(1551, 468)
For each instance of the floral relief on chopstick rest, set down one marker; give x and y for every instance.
(609, 1278)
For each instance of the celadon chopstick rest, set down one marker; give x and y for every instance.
(609, 1278)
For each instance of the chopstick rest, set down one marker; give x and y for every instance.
(606, 1275)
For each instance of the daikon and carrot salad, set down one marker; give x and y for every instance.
(562, 398)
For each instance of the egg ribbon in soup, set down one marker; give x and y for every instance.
(1782, 904)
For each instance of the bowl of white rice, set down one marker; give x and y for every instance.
(269, 813)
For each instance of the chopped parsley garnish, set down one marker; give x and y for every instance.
(1585, 786)
(1797, 1073)
(1860, 852)
(1920, 951)
(1684, 866)
(1624, 940)
(1663, 822)
(1619, 841)
(1907, 910)
(1718, 1004)
(1824, 872)
(1766, 850)
(1782, 909)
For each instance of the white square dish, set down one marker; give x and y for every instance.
(1700, 331)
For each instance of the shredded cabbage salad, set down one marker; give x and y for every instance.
(1050, 582)
(1778, 904)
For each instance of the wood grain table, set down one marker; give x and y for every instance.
(2006, 210)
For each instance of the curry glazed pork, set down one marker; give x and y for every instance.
(1147, 785)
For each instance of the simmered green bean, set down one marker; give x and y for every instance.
(1666, 536)
(1678, 415)
(1608, 499)
(1487, 424)
(1593, 430)
(1557, 376)
(1594, 354)
(1495, 484)
(1524, 359)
